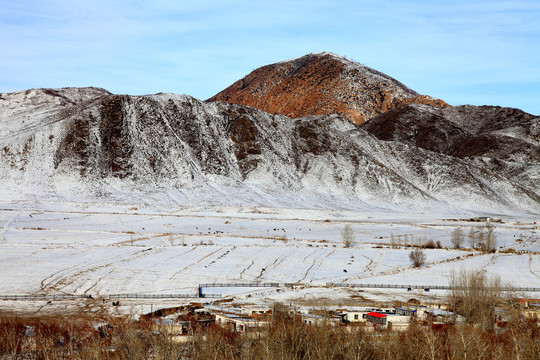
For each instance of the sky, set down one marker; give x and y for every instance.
(464, 52)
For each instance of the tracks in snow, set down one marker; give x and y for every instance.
(530, 266)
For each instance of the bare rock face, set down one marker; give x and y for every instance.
(322, 84)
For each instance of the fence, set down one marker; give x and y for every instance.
(430, 287)
(110, 296)
(160, 296)
(248, 285)
(45, 297)
(225, 285)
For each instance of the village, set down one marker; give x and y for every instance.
(248, 320)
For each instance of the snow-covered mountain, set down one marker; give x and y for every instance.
(89, 145)
(503, 140)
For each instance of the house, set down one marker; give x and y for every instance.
(527, 303)
(391, 322)
(530, 308)
(170, 326)
(485, 219)
(378, 320)
(439, 317)
(238, 323)
(406, 311)
(398, 322)
(311, 319)
(354, 316)
(259, 313)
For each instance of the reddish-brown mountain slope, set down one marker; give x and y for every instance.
(321, 84)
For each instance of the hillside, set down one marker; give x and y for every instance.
(174, 149)
(505, 140)
(321, 84)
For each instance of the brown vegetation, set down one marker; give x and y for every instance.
(287, 337)
(475, 296)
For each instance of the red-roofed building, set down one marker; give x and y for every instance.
(376, 319)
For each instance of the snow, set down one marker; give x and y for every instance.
(120, 250)
(167, 230)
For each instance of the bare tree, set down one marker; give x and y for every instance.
(475, 296)
(393, 240)
(480, 240)
(472, 237)
(485, 239)
(458, 237)
(347, 235)
(490, 240)
(418, 258)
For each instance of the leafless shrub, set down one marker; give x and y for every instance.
(430, 244)
(417, 257)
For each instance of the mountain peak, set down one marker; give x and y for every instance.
(321, 83)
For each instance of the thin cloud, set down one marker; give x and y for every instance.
(201, 47)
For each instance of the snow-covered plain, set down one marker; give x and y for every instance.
(106, 250)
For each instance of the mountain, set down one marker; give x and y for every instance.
(505, 140)
(321, 84)
(89, 145)
(461, 131)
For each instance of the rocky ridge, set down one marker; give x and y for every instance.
(178, 150)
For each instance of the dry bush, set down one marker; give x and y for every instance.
(430, 244)
(417, 257)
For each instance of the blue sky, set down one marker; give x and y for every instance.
(464, 52)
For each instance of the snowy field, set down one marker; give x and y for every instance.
(104, 250)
